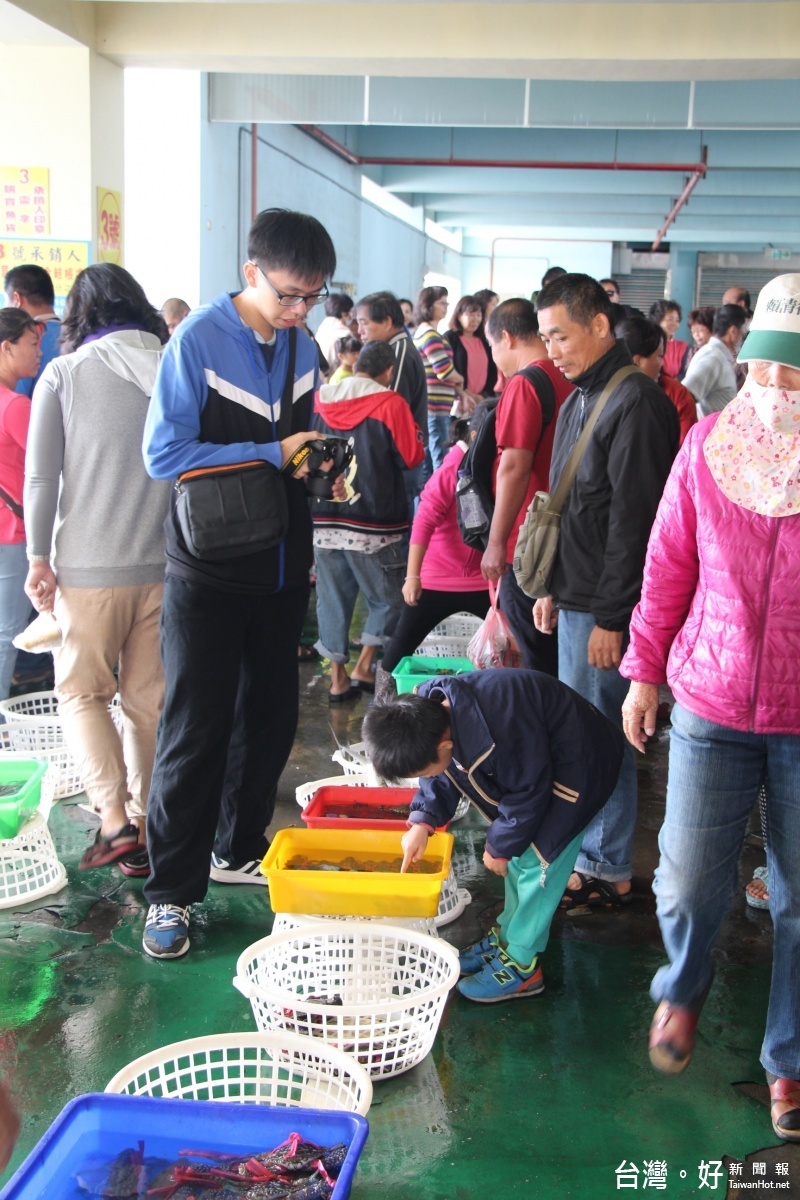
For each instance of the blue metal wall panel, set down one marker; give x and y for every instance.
(287, 99)
(559, 104)
(754, 104)
(446, 101)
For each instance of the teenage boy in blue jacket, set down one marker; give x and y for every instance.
(230, 629)
(538, 761)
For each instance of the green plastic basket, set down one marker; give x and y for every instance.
(16, 807)
(412, 671)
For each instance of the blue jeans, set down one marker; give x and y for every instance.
(607, 849)
(15, 607)
(414, 482)
(714, 777)
(438, 437)
(340, 575)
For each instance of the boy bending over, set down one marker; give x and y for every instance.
(538, 761)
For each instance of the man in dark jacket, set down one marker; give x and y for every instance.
(605, 525)
(538, 761)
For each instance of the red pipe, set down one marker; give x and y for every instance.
(319, 135)
(359, 160)
(691, 184)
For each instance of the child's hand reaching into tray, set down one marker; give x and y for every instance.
(414, 843)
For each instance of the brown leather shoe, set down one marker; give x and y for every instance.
(784, 1097)
(672, 1037)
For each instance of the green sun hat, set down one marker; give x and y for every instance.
(774, 334)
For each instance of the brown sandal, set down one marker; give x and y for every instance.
(105, 850)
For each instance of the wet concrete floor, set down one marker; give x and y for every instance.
(550, 1097)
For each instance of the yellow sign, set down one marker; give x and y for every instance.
(63, 260)
(24, 201)
(109, 226)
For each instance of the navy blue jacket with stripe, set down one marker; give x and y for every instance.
(216, 402)
(535, 757)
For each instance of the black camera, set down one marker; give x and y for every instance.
(335, 450)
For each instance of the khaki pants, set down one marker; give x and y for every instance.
(102, 627)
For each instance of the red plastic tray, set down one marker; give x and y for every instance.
(343, 807)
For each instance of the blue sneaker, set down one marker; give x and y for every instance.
(475, 957)
(166, 931)
(502, 979)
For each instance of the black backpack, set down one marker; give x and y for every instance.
(474, 499)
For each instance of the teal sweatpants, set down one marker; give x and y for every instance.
(529, 909)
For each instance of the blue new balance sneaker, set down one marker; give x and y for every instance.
(502, 979)
(166, 931)
(474, 957)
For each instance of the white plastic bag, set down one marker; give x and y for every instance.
(41, 635)
(494, 645)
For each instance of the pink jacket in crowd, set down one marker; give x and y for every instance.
(718, 617)
(449, 565)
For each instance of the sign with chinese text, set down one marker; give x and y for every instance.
(109, 226)
(25, 201)
(63, 260)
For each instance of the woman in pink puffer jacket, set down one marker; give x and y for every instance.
(719, 620)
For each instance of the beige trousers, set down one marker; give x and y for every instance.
(102, 627)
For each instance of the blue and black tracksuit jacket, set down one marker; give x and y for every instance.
(217, 402)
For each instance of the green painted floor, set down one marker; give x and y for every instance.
(546, 1097)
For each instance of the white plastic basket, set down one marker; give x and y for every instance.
(304, 791)
(460, 625)
(284, 921)
(29, 865)
(392, 984)
(33, 728)
(452, 901)
(354, 762)
(467, 857)
(43, 739)
(279, 1069)
(435, 645)
(44, 706)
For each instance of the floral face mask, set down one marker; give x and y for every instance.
(777, 409)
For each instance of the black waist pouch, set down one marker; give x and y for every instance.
(238, 509)
(228, 512)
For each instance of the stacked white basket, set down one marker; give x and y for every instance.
(29, 864)
(390, 985)
(33, 727)
(453, 899)
(284, 921)
(354, 762)
(451, 637)
(250, 1068)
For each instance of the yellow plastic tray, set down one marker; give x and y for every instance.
(351, 893)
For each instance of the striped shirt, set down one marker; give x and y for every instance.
(438, 360)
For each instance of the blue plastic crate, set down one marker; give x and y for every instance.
(95, 1128)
